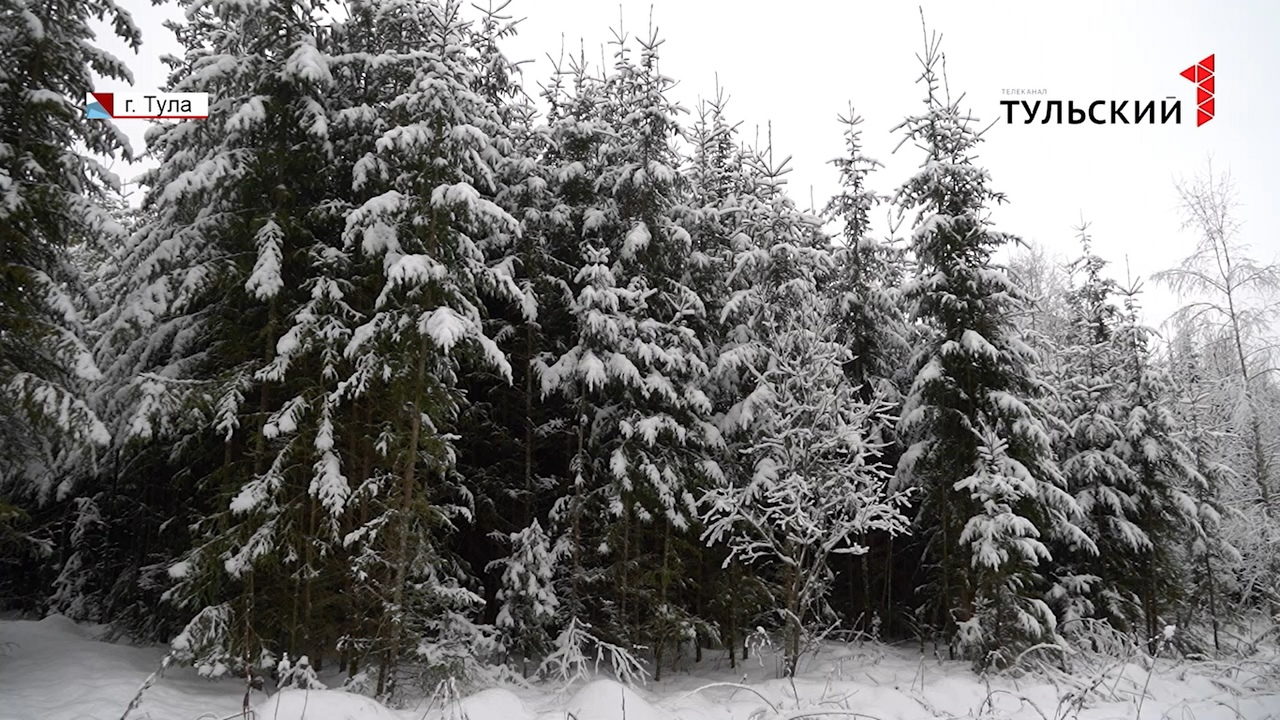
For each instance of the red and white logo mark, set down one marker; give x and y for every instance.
(1202, 75)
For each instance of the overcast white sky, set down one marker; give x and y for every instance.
(799, 63)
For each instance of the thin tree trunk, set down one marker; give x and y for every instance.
(793, 620)
(295, 622)
(528, 426)
(731, 631)
(366, 471)
(621, 574)
(259, 465)
(315, 648)
(944, 613)
(408, 479)
(664, 582)
(887, 601)
(1213, 604)
(866, 580)
(248, 639)
(579, 479)
(700, 604)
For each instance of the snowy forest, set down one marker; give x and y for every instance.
(404, 371)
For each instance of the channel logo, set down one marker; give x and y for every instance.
(146, 106)
(1119, 112)
(1202, 74)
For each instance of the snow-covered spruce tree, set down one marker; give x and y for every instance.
(1088, 407)
(807, 484)
(588, 371)
(527, 596)
(1121, 460)
(228, 343)
(665, 434)
(717, 180)
(550, 257)
(991, 494)
(868, 273)
(581, 294)
(636, 370)
(427, 227)
(1048, 324)
(125, 529)
(721, 181)
(1164, 473)
(505, 450)
(52, 188)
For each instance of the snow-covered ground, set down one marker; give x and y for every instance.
(54, 669)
